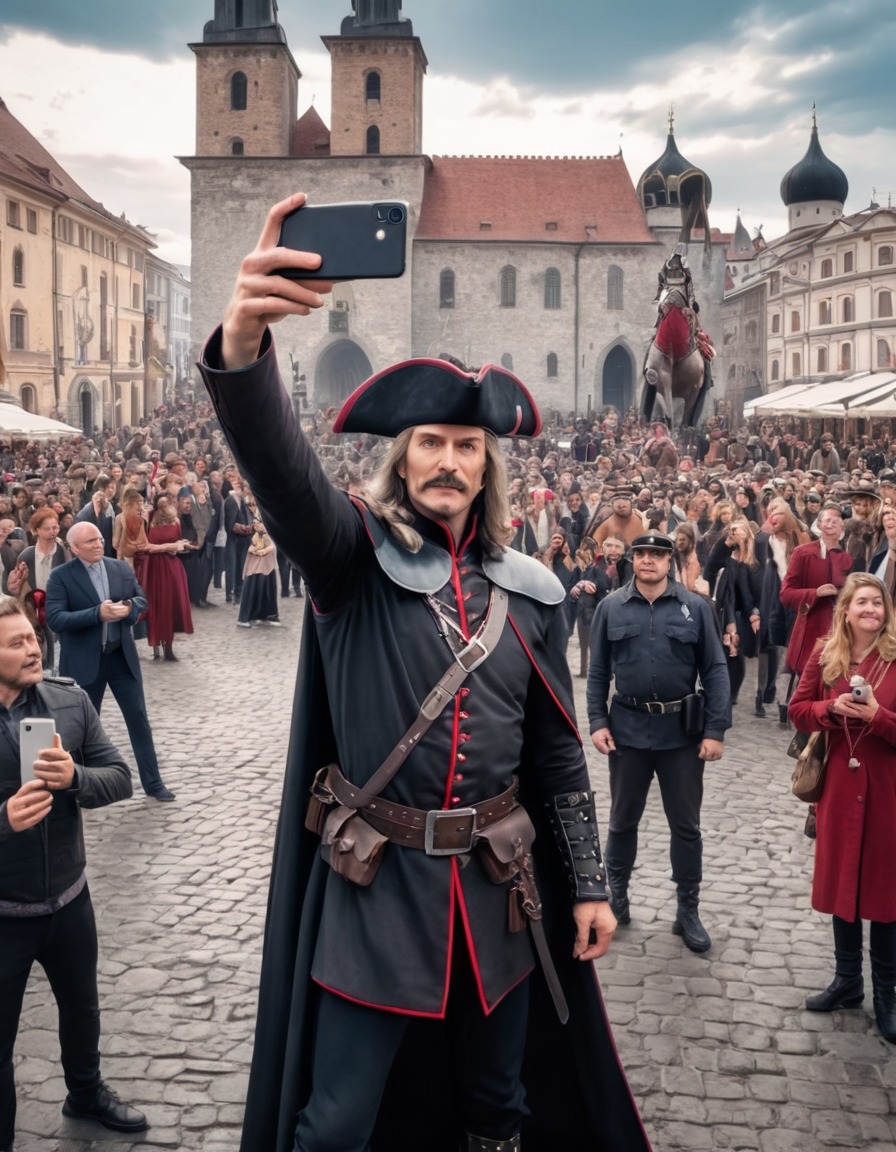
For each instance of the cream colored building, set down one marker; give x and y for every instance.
(816, 304)
(72, 294)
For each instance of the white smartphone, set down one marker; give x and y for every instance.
(34, 736)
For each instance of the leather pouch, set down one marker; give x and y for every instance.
(505, 844)
(693, 712)
(351, 846)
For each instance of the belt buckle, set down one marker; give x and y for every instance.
(461, 657)
(654, 707)
(432, 820)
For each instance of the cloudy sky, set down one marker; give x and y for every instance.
(108, 88)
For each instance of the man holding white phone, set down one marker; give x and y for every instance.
(45, 910)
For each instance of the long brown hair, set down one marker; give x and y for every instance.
(835, 655)
(791, 529)
(387, 495)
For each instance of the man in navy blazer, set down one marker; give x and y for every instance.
(92, 604)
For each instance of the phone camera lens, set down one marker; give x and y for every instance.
(396, 215)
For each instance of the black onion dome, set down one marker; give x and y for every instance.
(815, 177)
(672, 180)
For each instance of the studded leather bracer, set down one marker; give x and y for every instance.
(574, 822)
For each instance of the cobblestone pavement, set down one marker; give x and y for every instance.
(718, 1049)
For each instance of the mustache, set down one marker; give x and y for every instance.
(445, 480)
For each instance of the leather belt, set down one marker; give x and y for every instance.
(438, 832)
(654, 707)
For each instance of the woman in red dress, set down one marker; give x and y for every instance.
(856, 815)
(165, 581)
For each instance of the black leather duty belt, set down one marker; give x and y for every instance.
(654, 707)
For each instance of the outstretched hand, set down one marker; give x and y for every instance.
(261, 297)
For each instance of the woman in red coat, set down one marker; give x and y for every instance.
(815, 575)
(856, 815)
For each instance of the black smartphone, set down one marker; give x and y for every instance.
(356, 241)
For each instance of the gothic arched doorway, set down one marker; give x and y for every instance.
(616, 380)
(342, 366)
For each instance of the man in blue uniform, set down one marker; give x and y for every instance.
(656, 638)
(401, 1006)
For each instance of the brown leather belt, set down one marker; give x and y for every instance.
(440, 831)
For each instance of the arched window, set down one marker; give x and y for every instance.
(822, 365)
(884, 360)
(776, 322)
(18, 329)
(884, 255)
(776, 370)
(848, 261)
(552, 364)
(28, 395)
(824, 311)
(552, 288)
(797, 364)
(373, 140)
(885, 304)
(846, 357)
(794, 321)
(373, 86)
(507, 361)
(18, 267)
(847, 310)
(614, 288)
(236, 147)
(827, 269)
(446, 288)
(239, 91)
(508, 286)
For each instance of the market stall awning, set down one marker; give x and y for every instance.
(878, 401)
(832, 399)
(760, 403)
(17, 424)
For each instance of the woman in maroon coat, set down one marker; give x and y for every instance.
(856, 815)
(815, 575)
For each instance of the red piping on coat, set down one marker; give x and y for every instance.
(534, 664)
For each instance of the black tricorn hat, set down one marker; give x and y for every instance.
(428, 391)
(655, 541)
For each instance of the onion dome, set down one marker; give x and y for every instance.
(815, 177)
(672, 181)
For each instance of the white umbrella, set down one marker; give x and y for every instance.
(17, 424)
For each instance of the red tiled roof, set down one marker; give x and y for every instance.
(532, 198)
(26, 161)
(312, 136)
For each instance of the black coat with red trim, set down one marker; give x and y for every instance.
(371, 653)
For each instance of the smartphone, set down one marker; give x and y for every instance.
(34, 736)
(356, 241)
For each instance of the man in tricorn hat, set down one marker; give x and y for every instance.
(415, 981)
(656, 638)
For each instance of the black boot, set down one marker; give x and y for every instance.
(847, 989)
(760, 707)
(617, 882)
(883, 978)
(687, 922)
(481, 1144)
(783, 717)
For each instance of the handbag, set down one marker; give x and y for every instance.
(807, 779)
(798, 742)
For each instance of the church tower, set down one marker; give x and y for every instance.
(246, 83)
(377, 67)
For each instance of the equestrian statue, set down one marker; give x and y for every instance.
(678, 361)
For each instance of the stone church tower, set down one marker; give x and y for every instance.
(246, 83)
(377, 72)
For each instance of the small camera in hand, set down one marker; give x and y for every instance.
(860, 689)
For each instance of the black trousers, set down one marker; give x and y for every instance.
(355, 1046)
(64, 944)
(679, 772)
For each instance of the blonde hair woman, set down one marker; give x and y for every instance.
(853, 877)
